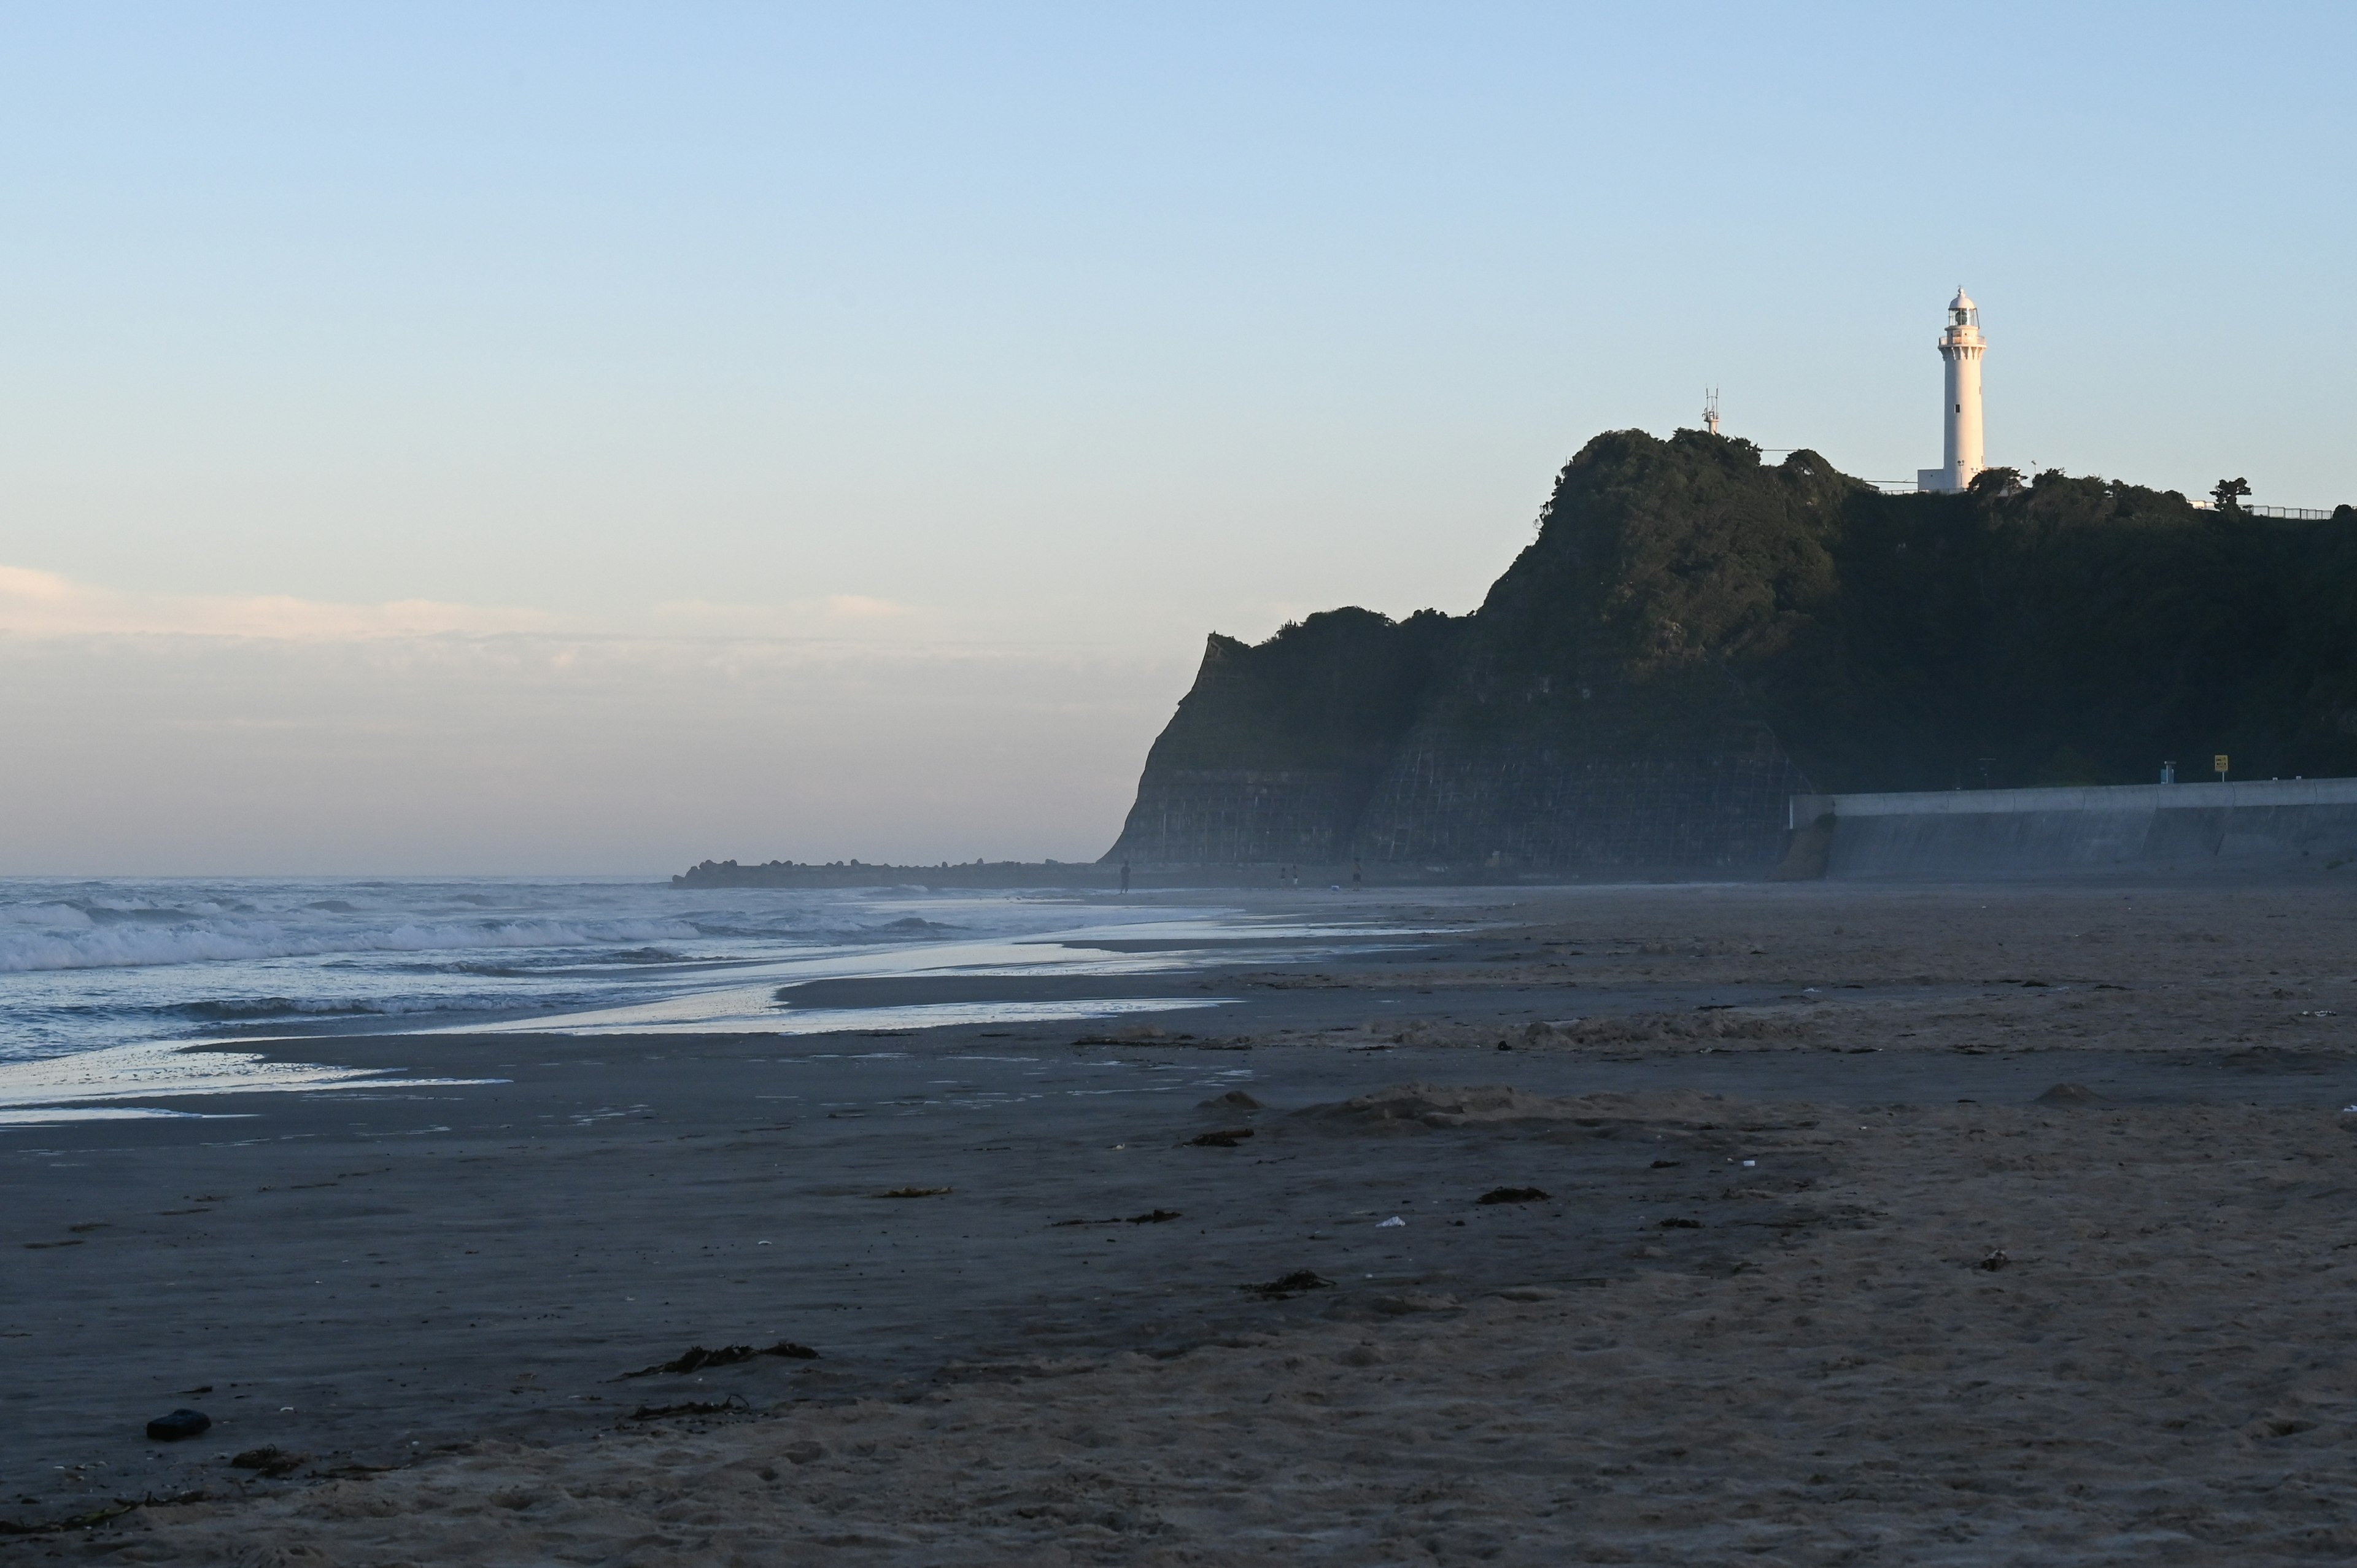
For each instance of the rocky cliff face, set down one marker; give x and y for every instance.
(1694, 636)
(1274, 753)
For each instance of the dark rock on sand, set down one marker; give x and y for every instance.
(179, 1424)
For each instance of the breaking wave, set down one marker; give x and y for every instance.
(250, 1009)
(132, 945)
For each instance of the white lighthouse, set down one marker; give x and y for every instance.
(1960, 418)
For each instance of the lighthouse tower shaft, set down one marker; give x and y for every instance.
(1961, 347)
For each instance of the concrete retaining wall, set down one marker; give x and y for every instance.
(1969, 832)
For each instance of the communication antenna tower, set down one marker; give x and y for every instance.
(1710, 409)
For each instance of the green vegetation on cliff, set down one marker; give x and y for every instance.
(2059, 630)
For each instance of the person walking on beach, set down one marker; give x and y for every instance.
(1124, 876)
(1355, 876)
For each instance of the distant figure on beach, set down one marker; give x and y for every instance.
(1124, 876)
(1355, 876)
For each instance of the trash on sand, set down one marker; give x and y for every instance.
(1393, 1223)
(1292, 1284)
(179, 1424)
(918, 1192)
(1514, 1195)
(271, 1460)
(1233, 1099)
(697, 1358)
(1750, 1163)
(1225, 1140)
(1681, 1224)
(1995, 1260)
(728, 1406)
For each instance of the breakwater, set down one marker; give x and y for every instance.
(2275, 822)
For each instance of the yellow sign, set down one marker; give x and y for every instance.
(2219, 762)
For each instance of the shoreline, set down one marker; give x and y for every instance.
(467, 1270)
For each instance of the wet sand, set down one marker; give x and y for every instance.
(432, 1295)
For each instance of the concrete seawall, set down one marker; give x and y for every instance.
(1981, 832)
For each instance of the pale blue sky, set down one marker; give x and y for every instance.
(1033, 339)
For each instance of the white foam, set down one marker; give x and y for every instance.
(751, 1003)
(48, 1115)
(156, 1071)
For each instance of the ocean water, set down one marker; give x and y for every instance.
(86, 965)
(103, 985)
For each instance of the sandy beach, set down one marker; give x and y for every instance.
(1828, 1224)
